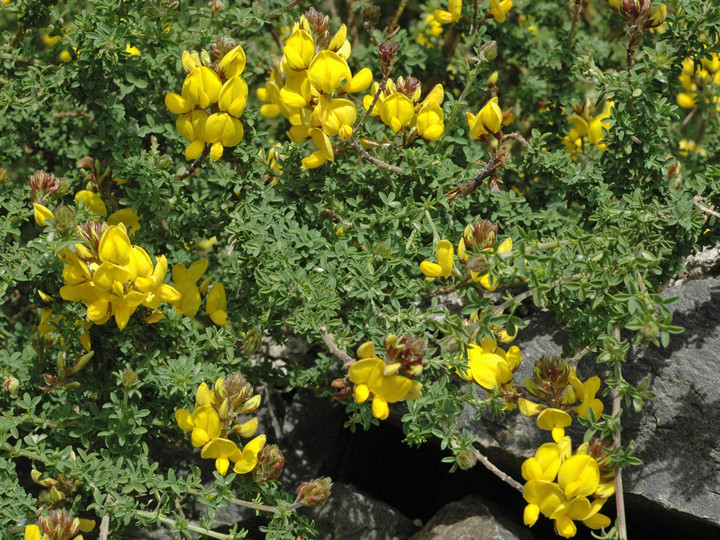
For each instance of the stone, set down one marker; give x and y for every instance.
(351, 513)
(467, 519)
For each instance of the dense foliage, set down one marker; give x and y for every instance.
(183, 180)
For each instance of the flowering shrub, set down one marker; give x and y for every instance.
(508, 153)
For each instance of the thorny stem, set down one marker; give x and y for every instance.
(376, 161)
(616, 412)
(516, 137)
(581, 353)
(395, 19)
(334, 349)
(497, 472)
(194, 165)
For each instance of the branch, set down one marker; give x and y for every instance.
(697, 200)
(334, 349)
(616, 412)
(281, 10)
(465, 189)
(497, 472)
(194, 165)
(374, 160)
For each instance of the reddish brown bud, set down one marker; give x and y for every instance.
(314, 492)
(222, 46)
(270, 464)
(59, 525)
(43, 185)
(388, 51)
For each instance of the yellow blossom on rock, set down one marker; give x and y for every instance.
(554, 420)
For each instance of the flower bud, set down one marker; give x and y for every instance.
(250, 406)
(129, 377)
(466, 459)
(222, 46)
(44, 186)
(487, 51)
(388, 51)
(216, 5)
(270, 464)
(64, 219)
(314, 492)
(11, 385)
(551, 374)
(3, 175)
(59, 525)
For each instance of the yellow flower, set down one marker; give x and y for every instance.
(91, 201)
(184, 280)
(489, 283)
(203, 423)
(396, 111)
(328, 71)
(127, 217)
(222, 129)
(233, 63)
(500, 8)
(299, 50)
(369, 378)
(42, 214)
(452, 15)
(445, 254)
(132, 50)
(554, 420)
(490, 366)
(488, 120)
(430, 121)
(545, 464)
(216, 304)
(585, 392)
(202, 87)
(246, 459)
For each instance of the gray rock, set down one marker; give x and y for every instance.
(677, 435)
(468, 519)
(351, 514)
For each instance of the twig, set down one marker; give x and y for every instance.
(522, 296)
(576, 15)
(194, 165)
(190, 526)
(465, 189)
(516, 137)
(334, 350)
(697, 199)
(497, 472)
(580, 354)
(395, 19)
(337, 216)
(376, 161)
(17, 36)
(379, 91)
(71, 114)
(616, 412)
(105, 522)
(281, 10)
(689, 116)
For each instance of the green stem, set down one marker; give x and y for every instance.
(194, 528)
(616, 412)
(395, 19)
(436, 236)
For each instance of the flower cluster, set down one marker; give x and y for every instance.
(58, 525)
(700, 81)
(215, 419)
(111, 276)
(399, 107)
(213, 98)
(184, 281)
(477, 242)
(567, 488)
(432, 28)
(587, 127)
(374, 377)
(310, 86)
(558, 386)
(640, 12)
